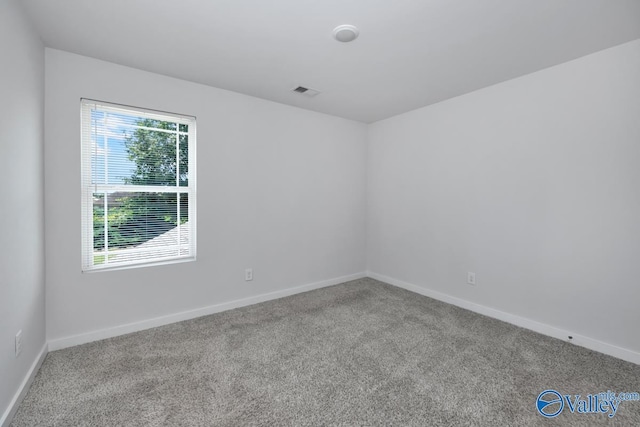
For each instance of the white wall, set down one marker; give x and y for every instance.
(280, 189)
(533, 184)
(21, 198)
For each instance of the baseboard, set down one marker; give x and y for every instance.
(60, 343)
(8, 415)
(542, 328)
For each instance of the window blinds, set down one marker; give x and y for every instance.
(138, 186)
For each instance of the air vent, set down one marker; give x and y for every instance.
(306, 91)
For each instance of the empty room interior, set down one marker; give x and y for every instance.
(337, 212)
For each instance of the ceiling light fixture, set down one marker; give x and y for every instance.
(345, 33)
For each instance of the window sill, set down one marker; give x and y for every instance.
(140, 265)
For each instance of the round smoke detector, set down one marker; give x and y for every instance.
(345, 33)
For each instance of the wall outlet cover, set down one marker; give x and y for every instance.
(18, 347)
(471, 278)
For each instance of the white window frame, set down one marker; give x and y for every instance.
(89, 188)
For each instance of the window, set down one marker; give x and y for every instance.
(138, 186)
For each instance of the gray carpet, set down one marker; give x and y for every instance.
(359, 353)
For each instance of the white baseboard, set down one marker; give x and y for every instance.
(8, 415)
(542, 328)
(60, 343)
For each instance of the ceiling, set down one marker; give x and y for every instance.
(410, 53)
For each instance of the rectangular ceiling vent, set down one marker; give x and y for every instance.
(306, 91)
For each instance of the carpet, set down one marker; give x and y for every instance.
(359, 353)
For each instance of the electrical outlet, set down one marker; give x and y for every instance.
(18, 343)
(248, 274)
(471, 278)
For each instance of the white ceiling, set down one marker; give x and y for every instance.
(410, 53)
